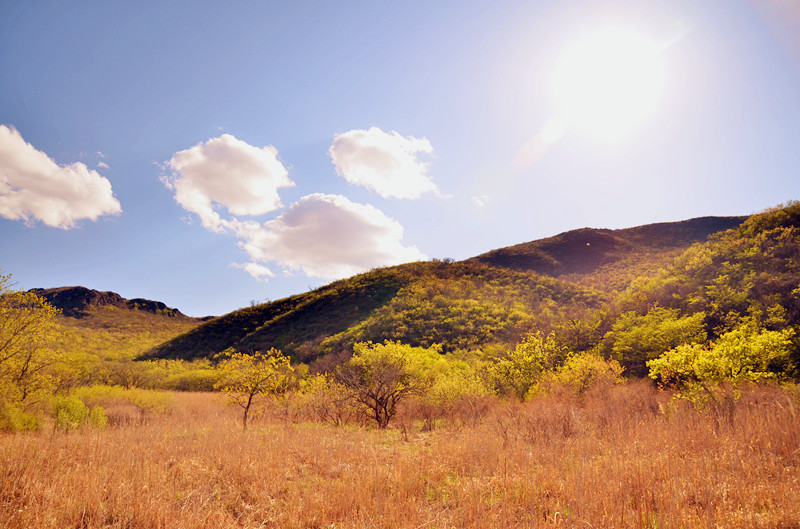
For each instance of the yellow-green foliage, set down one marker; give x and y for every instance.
(100, 348)
(379, 376)
(745, 353)
(635, 339)
(585, 370)
(122, 404)
(244, 376)
(327, 400)
(69, 412)
(465, 306)
(751, 271)
(111, 332)
(523, 367)
(28, 333)
(458, 381)
(14, 419)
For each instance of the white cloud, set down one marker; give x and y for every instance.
(384, 162)
(259, 272)
(102, 165)
(480, 201)
(227, 172)
(327, 236)
(33, 187)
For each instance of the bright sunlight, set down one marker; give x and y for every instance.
(609, 82)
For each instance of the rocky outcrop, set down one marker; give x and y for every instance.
(76, 302)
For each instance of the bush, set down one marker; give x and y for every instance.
(14, 419)
(743, 354)
(70, 413)
(194, 380)
(520, 371)
(583, 371)
(98, 418)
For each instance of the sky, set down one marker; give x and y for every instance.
(214, 154)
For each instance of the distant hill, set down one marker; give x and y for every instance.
(107, 326)
(485, 302)
(585, 251)
(77, 302)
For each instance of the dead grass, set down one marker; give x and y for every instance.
(626, 458)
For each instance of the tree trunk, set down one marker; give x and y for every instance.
(246, 411)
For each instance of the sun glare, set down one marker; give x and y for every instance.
(609, 82)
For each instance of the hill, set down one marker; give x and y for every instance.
(78, 302)
(589, 255)
(104, 326)
(565, 284)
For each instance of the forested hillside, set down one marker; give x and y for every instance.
(101, 333)
(628, 294)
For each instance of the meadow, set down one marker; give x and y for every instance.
(626, 456)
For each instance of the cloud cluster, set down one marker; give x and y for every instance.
(324, 236)
(328, 236)
(384, 162)
(33, 187)
(227, 172)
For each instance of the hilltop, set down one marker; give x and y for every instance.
(78, 302)
(566, 284)
(107, 327)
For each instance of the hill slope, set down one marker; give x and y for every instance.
(589, 251)
(481, 303)
(78, 302)
(108, 326)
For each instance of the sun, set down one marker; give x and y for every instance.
(609, 82)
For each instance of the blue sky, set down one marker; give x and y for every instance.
(206, 154)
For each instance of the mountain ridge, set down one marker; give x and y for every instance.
(585, 250)
(485, 301)
(77, 301)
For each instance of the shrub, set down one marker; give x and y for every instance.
(519, 372)
(745, 353)
(14, 419)
(583, 371)
(380, 376)
(70, 413)
(98, 418)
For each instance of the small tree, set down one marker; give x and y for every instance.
(635, 339)
(244, 376)
(28, 331)
(585, 370)
(379, 376)
(521, 369)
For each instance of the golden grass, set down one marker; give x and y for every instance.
(622, 459)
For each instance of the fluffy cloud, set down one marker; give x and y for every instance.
(227, 172)
(384, 162)
(327, 236)
(33, 187)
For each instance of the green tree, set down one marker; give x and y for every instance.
(586, 370)
(745, 353)
(245, 376)
(521, 369)
(28, 332)
(379, 376)
(635, 339)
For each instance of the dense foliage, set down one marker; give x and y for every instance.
(443, 333)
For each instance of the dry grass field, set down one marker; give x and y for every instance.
(626, 458)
